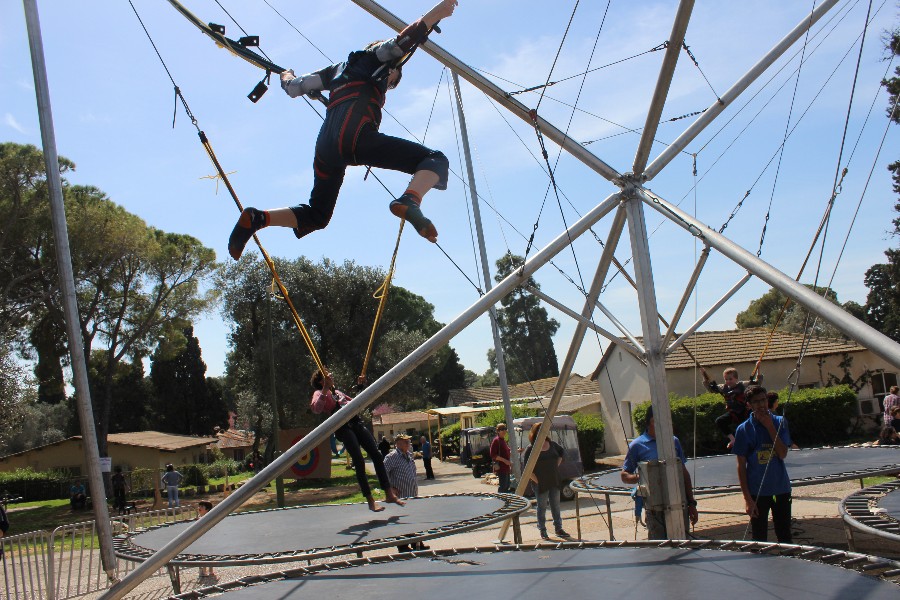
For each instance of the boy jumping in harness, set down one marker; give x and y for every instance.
(350, 136)
(736, 409)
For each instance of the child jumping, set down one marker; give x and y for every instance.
(350, 136)
(736, 408)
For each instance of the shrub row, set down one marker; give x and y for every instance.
(816, 417)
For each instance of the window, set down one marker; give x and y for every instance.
(239, 455)
(808, 386)
(881, 383)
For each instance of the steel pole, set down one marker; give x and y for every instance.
(495, 93)
(731, 95)
(688, 290)
(656, 371)
(855, 329)
(366, 397)
(67, 289)
(666, 71)
(565, 371)
(712, 310)
(588, 322)
(486, 275)
(276, 419)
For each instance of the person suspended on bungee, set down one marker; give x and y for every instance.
(326, 400)
(350, 136)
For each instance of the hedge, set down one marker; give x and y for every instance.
(816, 417)
(590, 437)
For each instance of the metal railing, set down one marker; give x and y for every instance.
(24, 565)
(65, 563)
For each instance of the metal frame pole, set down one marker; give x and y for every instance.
(365, 398)
(688, 290)
(656, 371)
(495, 93)
(731, 95)
(690, 330)
(486, 274)
(666, 71)
(574, 315)
(855, 329)
(565, 371)
(620, 326)
(67, 288)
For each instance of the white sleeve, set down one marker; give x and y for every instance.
(388, 51)
(304, 84)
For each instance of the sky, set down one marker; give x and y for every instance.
(113, 106)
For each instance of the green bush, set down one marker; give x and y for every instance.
(218, 469)
(815, 416)
(450, 437)
(195, 475)
(590, 437)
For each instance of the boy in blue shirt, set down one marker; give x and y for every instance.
(642, 449)
(761, 444)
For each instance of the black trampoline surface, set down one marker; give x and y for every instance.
(306, 531)
(625, 571)
(713, 474)
(875, 510)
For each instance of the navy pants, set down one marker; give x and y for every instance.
(372, 148)
(780, 506)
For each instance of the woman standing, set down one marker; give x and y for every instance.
(545, 482)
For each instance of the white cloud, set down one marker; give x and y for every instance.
(11, 122)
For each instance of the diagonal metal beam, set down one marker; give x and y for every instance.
(731, 95)
(855, 329)
(565, 370)
(688, 290)
(588, 322)
(364, 399)
(712, 310)
(495, 93)
(666, 71)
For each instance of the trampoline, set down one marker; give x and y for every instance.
(718, 474)
(614, 570)
(873, 510)
(308, 532)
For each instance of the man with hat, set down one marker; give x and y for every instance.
(401, 471)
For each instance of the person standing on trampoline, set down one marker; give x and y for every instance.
(642, 449)
(733, 391)
(350, 136)
(761, 444)
(327, 400)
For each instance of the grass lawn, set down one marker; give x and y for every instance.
(341, 487)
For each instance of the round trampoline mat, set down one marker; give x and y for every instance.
(874, 510)
(302, 532)
(810, 466)
(609, 570)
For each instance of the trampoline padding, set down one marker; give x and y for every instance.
(806, 467)
(890, 504)
(609, 572)
(320, 527)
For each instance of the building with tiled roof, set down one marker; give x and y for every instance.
(622, 378)
(236, 444)
(411, 423)
(143, 449)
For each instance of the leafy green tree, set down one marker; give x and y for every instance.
(132, 281)
(183, 402)
(336, 306)
(526, 330)
(13, 390)
(766, 310)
